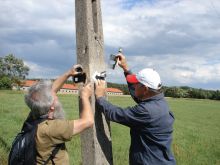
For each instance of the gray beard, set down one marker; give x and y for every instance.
(59, 112)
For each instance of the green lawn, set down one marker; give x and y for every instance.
(196, 128)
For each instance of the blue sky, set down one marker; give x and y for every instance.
(179, 38)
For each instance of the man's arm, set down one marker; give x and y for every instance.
(86, 119)
(129, 116)
(123, 64)
(58, 83)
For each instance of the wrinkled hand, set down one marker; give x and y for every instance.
(87, 91)
(100, 88)
(122, 61)
(72, 71)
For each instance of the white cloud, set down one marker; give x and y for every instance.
(180, 70)
(146, 22)
(37, 71)
(180, 38)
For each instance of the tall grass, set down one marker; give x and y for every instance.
(196, 129)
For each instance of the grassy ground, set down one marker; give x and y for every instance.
(196, 134)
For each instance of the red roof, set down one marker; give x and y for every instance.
(115, 90)
(29, 83)
(69, 86)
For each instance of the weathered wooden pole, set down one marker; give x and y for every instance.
(95, 142)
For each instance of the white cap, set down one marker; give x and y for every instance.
(148, 77)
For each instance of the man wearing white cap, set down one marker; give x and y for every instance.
(150, 121)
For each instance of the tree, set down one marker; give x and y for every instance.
(5, 83)
(216, 95)
(12, 68)
(122, 87)
(175, 92)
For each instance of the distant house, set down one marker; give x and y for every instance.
(114, 91)
(26, 84)
(68, 88)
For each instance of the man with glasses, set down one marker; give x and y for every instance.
(150, 121)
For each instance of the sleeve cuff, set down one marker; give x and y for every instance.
(127, 73)
(100, 98)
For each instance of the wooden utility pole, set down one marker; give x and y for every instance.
(95, 142)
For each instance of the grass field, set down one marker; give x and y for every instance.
(196, 128)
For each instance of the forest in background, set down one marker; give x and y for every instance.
(178, 92)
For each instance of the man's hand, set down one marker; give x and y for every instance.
(86, 119)
(87, 91)
(122, 62)
(61, 79)
(100, 88)
(74, 70)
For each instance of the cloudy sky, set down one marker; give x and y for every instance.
(179, 38)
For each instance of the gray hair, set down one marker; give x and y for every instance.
(39, 99)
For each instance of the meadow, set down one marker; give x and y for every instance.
(196, 129)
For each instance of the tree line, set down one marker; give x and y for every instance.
(177, 92)
(188, 92)
(13, 71)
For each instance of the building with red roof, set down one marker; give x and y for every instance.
(114, 91)
(26, 84)
(68, 88)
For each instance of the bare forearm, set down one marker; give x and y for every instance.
(86, 113)
(86, 119)
(122, 62)
(58, 83)
(126, 69)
